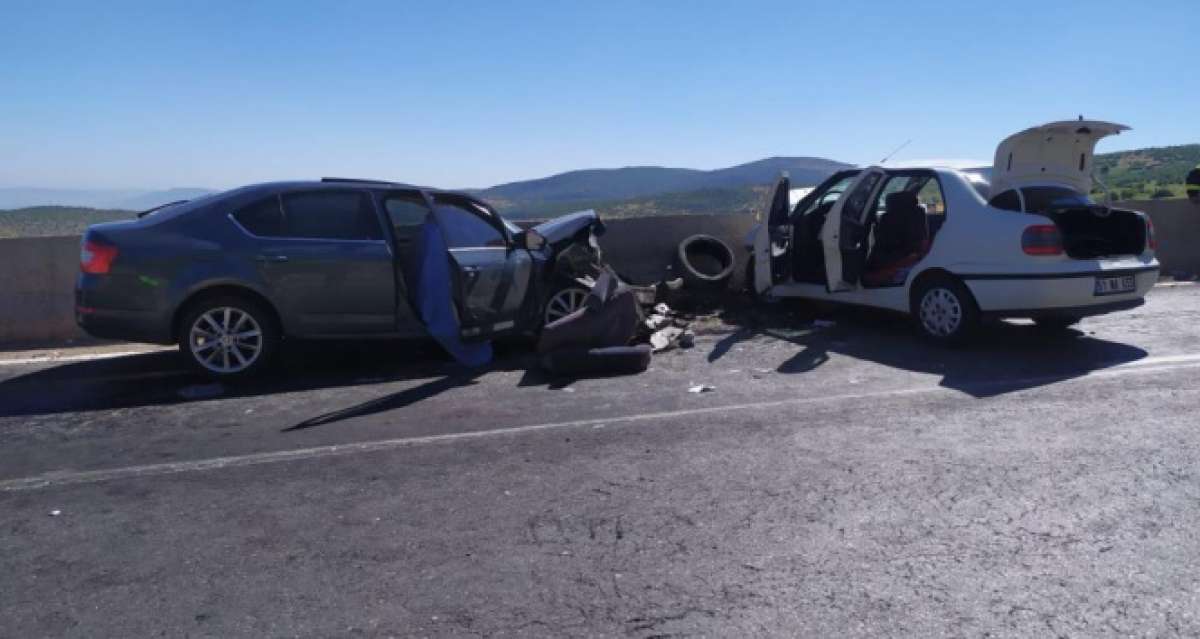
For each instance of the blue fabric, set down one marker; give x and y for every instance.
(434, 298)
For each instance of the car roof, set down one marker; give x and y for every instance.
(251, 192)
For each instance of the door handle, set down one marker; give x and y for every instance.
(271, 258)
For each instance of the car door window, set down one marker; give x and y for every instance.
(831, 195)
(406, 213)
(263, 218)
(855, 208)
(464, 228)
(331, 215)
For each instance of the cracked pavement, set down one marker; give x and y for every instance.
(843, 481)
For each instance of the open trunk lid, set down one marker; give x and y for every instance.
(1057, 153)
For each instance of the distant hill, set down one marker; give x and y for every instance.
(38, 221)
(575, 189)
(1147, 173)
(131, 199)
(158, 198)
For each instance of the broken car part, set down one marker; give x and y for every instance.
(613, 360)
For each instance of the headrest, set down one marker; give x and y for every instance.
(901, 200)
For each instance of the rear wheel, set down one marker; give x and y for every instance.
(944, 310)
(228, 337)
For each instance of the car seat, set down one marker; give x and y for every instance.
(901, 240)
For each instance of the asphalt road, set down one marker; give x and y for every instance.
(838, 481)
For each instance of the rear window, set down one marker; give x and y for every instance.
(331, 215)
(1008, 200)
(263, 218)
(1040, 199)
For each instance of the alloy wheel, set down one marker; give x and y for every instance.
(226, 340)
(941, 312)
(565, 302)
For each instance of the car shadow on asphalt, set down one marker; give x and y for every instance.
(162, 378)
(1004, 357)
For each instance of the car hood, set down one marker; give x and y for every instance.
(1053, 153)
(567, 226)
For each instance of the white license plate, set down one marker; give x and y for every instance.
(1115, 285)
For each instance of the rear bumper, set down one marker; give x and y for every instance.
(1067, 311)
(103, 321)
(129, 326)
(1057, 294)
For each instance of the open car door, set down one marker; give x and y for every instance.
(490, 274)
(846, 231)
(772, 263)
(466, 279)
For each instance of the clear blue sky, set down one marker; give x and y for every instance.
(454, 94)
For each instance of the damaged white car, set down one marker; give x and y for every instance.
(950, 247)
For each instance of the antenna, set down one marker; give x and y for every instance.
(894, 151)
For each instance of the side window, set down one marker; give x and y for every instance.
(895, 184)
(465, 229)
(855, 208)
(406, 213)
(331, 215)
(263, 218)
(831, 195)
(1008, 200)
(930, 197)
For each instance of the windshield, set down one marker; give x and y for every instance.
(1040, 199)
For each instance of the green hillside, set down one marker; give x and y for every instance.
(41, 221)
(1147, 173)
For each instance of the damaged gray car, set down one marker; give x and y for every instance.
(229, 276)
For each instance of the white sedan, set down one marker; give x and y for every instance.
(949, 248)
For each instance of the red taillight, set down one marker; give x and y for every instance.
(96, 258)
(1151, 241)
(1042, 239)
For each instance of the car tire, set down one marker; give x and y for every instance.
(563, 302)
(1056, 323)
(228, 337)
(705, 262)
(944, 310)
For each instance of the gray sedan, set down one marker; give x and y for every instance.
(229, 276)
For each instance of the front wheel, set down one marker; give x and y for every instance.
(563, 302)
(228, 337)
(944, 310)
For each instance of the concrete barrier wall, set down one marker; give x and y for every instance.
(642, 249)
(37, 275)
(1177, 227)
(37, 290)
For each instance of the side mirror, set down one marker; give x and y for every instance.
(530, 240)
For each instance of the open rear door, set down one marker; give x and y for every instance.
(773, 240)
(846, 230)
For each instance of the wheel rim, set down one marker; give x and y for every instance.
(941, 312)
(564, 302)
(226, 340)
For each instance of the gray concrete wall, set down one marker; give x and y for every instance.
(37, 290)
(1177, 227)
(641, 249)
(37, 275)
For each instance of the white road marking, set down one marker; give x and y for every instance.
(84, 357)
(66, 478)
